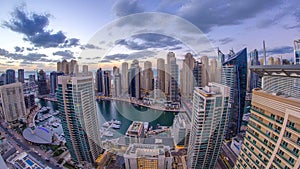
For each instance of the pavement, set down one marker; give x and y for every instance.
(227, 152)
(22, 145)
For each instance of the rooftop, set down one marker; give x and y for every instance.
(39, 135)
(277, 70)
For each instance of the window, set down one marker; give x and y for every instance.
(288, 134)
(285, 144)
(291, 160)
(295, 150)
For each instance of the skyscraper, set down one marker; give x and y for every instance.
(173, 80)
(124, 78)
(107, 83)
(297, 51)
(147, 76)
(205, 69)
(209, 120)
(99, 81)
(213, 73)
(117, 83)
(273, 138)
(76, 103)
(12, 102)
(187, 78)
(234, 75)
(135, 80)
(161, 74)
(65, 67)
(21, 75)
(197, 72)
(2, 79)
(168, 72)
(85, 68)
(53, 81)
(254, 80)
(10, 76)
(42, 83)
(72, 66)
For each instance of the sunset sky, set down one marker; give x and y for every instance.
(36, 34)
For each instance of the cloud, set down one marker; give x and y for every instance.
(89, 46)
(3, 52)
(19, 49)
(30, 57)
(225, 40)
(148, 40)
(66, 54)
(135, 55)
(209, 14)
(125, 7)
(280, 50)
(33, 27)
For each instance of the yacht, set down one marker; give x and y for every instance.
(108, 134)
(116, 122)
(146, 125)
(115, 126)
(106, 124)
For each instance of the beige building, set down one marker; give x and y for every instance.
(187, 79)
(12, 105)
(148, 156)
(147, 76)
(161, 74)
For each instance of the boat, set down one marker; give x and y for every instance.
(106, 124)
(116, 122)
(115, 126)
(146, 125)
(55, 124)
(108, 134)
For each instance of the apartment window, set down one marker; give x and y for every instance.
(291, 160)
(266, 141)
(271, 125)
(272, 116)
(254, 142)
(291, 124)
(295, 150)
(257, 162)
(286, 167)
(259, 155)
(285, 144)
(288, 134)
(280, 152)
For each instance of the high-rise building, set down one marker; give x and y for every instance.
(72, 66)
(148, 156)
(107, 83)
(213, 72)
(205, 69)
(2, 79)
(99, 81)
(53, 81)
(273, 138)
(209, 120)
(42, 83)
(21, 75)
(173, 89)
(234, 75)
(197, 72)
(12, 102)
(117, 83)
(85, 68)
(65, 67)
(75, 96)
(147, 76)
(31, 78)
(270, 61)
(187, 78)
(29, 100)
(297, 51)
(124, 78)
(135, 80)
(168, 72)
(161, 74)
(253, 81)
(181, 129)
(10, 76)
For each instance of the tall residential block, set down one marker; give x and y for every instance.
(135, 80)
(53, 81)
(147, 76)
(124, 78)
(297, 51)
(234, 75)
(99, 81)
(21, 75)
(173, 80)
(42, 83)
(209, 119)
(12, 102)
(161, 74)
(10, 76)
(187, 78)
(76, 103)
(117, 83)
(107, 83)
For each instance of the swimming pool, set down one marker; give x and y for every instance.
(29, 162)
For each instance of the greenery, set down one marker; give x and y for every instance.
(54, 147)
(58, 152)
(69, 166)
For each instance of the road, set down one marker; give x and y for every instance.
(227, 152)
(20, 143)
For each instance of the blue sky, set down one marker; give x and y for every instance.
(36, 34)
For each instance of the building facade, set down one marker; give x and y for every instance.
(99, 81)
(10, 76)
(209, 120)
(12, 102)
(53, 81)
(42, 83)
(135, 80)
(21, 75)
(75, 96)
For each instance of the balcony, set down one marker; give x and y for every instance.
(265, 163)
(293, 128)
(286, 160)
(295, 154)
(258, 147)
(260, 122)
(268, 136)
(261, 142)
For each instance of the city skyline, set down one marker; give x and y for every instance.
(23, 24)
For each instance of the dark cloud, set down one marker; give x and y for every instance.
(208, 14)
(175, 48)
(33, 27)
(225, 40)
(125, 7)
(3, 52)
(89, 46)
(19, 49)
(280, 50)
(48, 60)
(105, 61)
(31, 49)
(66, 54)
(17, 56)
(148, 40)
(135, 55)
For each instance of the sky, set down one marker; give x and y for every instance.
(37, 34)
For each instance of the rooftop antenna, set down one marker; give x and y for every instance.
(265, 56)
